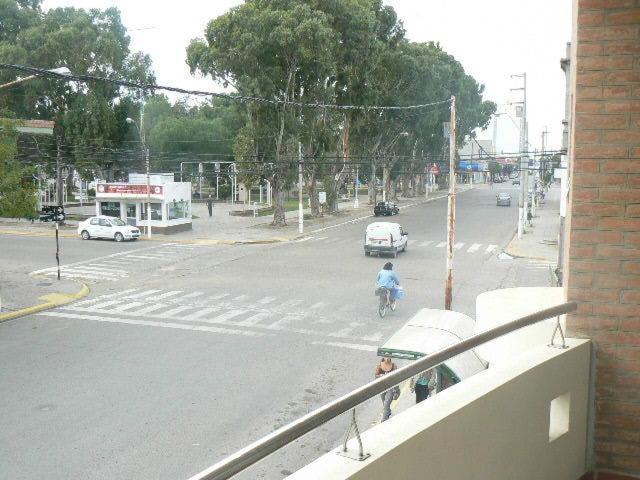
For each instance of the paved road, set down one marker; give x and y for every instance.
(186, 353)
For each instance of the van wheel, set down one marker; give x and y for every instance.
(85, 235)
(118, 237)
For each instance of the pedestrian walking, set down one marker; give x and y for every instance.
(424, 384)
(210, 206)
(385, 366)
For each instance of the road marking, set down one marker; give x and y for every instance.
(254, 319)
(265, 300)
(127, 306)
(109, 295)
(474, 247)
(290, 303)
(352, 346)
(240, 298)
(320, 238)
(458, 246)
(441, 244)
(193, 295)
(346, 331)
(174, 311)
(151, 308)
(79, 275)
(376, 337)
(411, 242)
(200, 313)
(103, 305)
(142, 294)
(279, 325)
(93, 271)
(148, 323)
(141, 257)
(490, 248)
(317, 305)
(427, 243)
(219, 296)
(171, 293)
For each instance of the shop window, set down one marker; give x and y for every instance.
(110, 209)
(177, 210)
(156, 211)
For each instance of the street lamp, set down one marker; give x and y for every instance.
(146, 163)
(60, 70)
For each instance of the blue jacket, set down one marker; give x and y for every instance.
(387, 279)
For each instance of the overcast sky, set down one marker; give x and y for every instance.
(492, 39)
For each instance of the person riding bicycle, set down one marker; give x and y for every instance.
(388, 279)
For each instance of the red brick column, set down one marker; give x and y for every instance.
(603, 221)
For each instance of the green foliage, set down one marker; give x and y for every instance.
(17, 189)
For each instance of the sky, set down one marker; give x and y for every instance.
(493, 40)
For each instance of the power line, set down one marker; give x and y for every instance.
(233, 97)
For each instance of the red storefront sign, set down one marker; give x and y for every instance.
(128, 188)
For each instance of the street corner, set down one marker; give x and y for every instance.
(48, 301)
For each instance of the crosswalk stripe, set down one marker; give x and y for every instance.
(254, 319)
(279, 324)
(103, 305)
(458, 246)
(219, 296)
(94, 271)
(148, 323)
(441, 244)
(80, 275)
(352, 346)
(474, 247)
(143, 257)
(109, 295)
(225, 316)
(193, 295)
(127, 306)
(200, 313)
(240, 298)
(265, 300)
(162, 296)
(317, 305)
(320, 238)
(150, 308)
(345, 332)
(427, 243)
(490, 248)
(411, 242)
(142, 294)
(175, 311)
(290, 303)
(376, 337)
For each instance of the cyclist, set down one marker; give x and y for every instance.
(388, 279)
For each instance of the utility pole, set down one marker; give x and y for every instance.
(147, 167)
(300, 206)
(451, 219)
(524, 161)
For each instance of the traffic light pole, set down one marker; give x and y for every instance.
(58, 248)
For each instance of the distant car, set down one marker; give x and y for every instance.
(107, 227)
(516, 181)
(503, 200)
(385, 208)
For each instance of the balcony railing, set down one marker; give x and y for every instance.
(267, 445)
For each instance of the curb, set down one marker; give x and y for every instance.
(52, 300)
(508, 250)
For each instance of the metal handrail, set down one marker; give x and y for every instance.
(259, 449)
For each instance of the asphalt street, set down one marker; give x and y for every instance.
(185, 353)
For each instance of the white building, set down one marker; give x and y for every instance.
(170, 202)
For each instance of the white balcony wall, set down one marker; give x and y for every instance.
(525, 420)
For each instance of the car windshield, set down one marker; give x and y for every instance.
(117, 222)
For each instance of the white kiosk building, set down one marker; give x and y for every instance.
(170, 202)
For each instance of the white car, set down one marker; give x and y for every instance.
(107, 227)
(385, 237)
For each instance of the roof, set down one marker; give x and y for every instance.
(431, 330)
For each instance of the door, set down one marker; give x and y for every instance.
(105, 229)
(131, 214)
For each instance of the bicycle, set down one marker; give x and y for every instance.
(385, 301)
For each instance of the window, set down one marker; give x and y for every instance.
(177, 210)
(95, 221)
(118, 222)
(156, 211)
(104, 222)
(110, 209)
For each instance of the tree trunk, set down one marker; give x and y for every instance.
(279, 219)
(406, 185)
(312, 190)
(372, 193)
(386, 182)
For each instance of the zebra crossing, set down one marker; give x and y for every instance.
(462, 247)
(120, 265)
(224, 313)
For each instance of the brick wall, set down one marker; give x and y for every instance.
(602, 263)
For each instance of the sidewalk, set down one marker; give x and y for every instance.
(540, 242)
(22, 295)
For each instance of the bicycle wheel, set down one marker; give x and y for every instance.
(393, 305)
(382, 307)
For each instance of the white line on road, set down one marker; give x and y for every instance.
(126, 306)
(265, 300)
(142, 257)
(142, 294)
(200, 313)
(219, 296)
(426, 244)
(175, 311)
(148, 323)
(352, 346)
(193, 295)
(458, 246)
(151, 308)
(441, 244)
(254, 319)
(490, 248)
(474, 247)
(162, 296)
(103, 305)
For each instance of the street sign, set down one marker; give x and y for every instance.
(322, 197)
(435, 170)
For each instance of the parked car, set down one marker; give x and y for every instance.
(385, 237)
(516, 181)
(385, 208)
(503, 200)
(103, 226)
